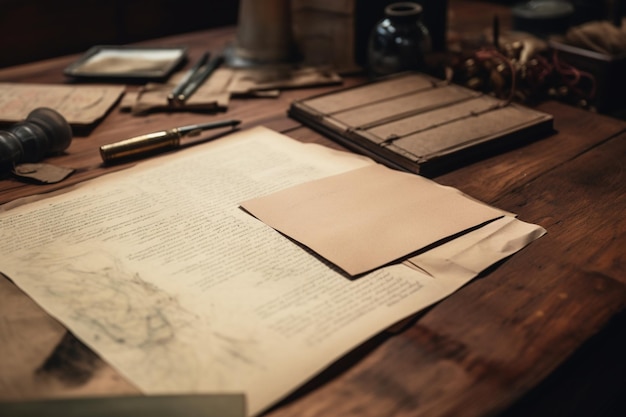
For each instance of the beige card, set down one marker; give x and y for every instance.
(369, 217)
(79, 104)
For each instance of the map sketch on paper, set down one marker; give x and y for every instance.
(162, 274)
(132, 316)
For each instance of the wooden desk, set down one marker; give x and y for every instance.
(540, 334)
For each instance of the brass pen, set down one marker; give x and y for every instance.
(151, 143)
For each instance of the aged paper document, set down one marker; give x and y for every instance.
(79, 104)
(365, 218)
(159, 270)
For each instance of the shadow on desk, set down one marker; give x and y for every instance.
(573, 391)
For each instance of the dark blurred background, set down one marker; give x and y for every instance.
(32, 30)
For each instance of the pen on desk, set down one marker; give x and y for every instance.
(199, 78)
(187, 77)
(151, 143)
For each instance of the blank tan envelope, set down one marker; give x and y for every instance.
(369, 217)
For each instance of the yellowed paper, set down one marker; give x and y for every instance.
(247, 81)
(366, 218)
(79, 104)
(159, 271)
(215, 93)
(466, 256)
(210, 96)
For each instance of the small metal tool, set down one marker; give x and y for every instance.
(172, 98)
(151, 143)
(198, 79)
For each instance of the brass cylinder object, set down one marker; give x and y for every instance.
(140, 146)
(152, 143)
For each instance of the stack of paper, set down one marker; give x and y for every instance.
(161, 272)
